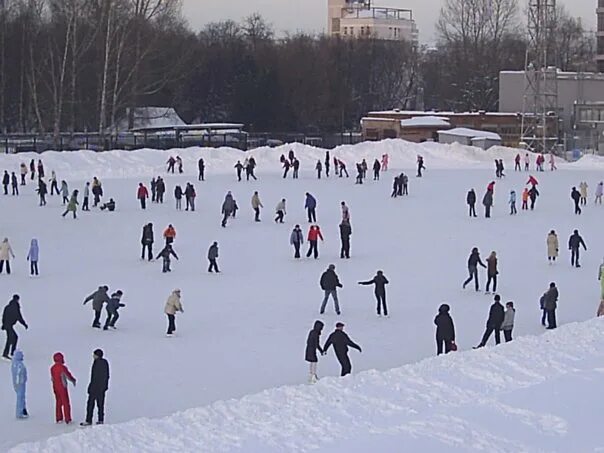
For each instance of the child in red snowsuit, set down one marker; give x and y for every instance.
(60, 375)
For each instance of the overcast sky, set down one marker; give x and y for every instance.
(311, 15)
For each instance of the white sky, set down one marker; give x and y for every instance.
(311, 15)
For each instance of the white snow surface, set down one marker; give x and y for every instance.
(426, 121)
(244, 331)
(470, 133)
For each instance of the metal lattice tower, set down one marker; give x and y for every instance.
(540, 106)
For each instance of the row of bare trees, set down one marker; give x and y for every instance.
(84, 65)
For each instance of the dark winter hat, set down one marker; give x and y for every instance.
(119, 292)
(339, 324)
(552, 285)
(98, 353)
(444, 308)
(497, 297)
(332, 266)
(576, 231)
(16, 297)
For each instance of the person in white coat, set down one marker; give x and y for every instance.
(552, 246)
(6, 253)
(173, 305)
(280, 211)
(599, 192)
(508, 321)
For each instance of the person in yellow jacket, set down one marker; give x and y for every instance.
(256, 205)
(552, 247)
(173, 305)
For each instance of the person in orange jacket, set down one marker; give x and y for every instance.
(60, 375)
(525, 197)
(314, 234)
(169, 234)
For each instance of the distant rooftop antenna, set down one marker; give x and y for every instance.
(540, 104)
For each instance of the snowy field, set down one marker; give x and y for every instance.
(244, 331)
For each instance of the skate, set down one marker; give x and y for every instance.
(84, 424)
(7, 358)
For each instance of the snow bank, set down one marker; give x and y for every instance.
(147, 162)
(521, 396)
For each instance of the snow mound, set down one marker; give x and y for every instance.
(521, 396)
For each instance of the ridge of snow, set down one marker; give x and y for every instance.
(520, 396)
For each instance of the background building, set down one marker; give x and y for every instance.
(358, 18)
(600, 36)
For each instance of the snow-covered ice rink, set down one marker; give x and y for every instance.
(244, 330)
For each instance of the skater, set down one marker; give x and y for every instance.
(171, 162)
(359, 179)
(99, 384)
(5, 182)
(235, 208)
(109, 206)
(19, 374)
(239, 167)
(575, 195)
(364, 168)
(497, 169)
(32, 169)
(513, 210)
(6, 253)
(40, 169)
(385, 161)
(11, 316)
(420, 166)
(395, 186)
(552, 162)
(527, 161)
(98, 298)
(312, 346)
(583, 190)
(517, 163)
(256, 205)
(85, 203)
(319, 168)
(487, 201)
(33, 256)
(14, 184)
(492, 272)
(178, 197)
(501, 169)
(533, 193)
(153, 185)
(165, 254)
(471, 202)
(552, 247)
(42, 191)
(286, 165)
(296, 167)
(160, 187)
(60, 375)
(314, 234)
(97, 191)
(380, 281)
(173, 305)
(212, 257)
(142, 195)
(179, 163)
(280, 211)
(201, 166)
(550, 304)
(72, 206)
(249, 169)
(228, 206)
(147, 242)
(405, 184)
(291, 156)
(341, 341)
(296, 239)
(445, 330)
(473, 262)
(496, 317)
(574, 242)
(345, 212)
(310, 204)
(114, 304)
(599, 192)
(170, 234)
(345, 233)
(327, 163)
(336, 166)
(190, 196)
(64, 192)
(343, 170)
(508, 321)
(330, 284)
(525, 197)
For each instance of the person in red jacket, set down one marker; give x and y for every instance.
(142, 194)
(491, 186)
(314, 234)
(60, 375)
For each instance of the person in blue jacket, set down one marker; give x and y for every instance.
(311, 205)
(32, 257)
(19, 372)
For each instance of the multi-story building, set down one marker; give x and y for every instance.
(600, 35)
(359, 19)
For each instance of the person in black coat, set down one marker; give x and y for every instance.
(202, 169)
(11, 316)
(576, 197)
(147, 241)
(345, 233)
(473, 262)
(312, 346)
(329, 284)
(178, 197)
(99, 384)
(166, 253)
(380, 282)
(496, 315)
(395, 185)
(574, 242)
(341, 341)
(445, 330)
(471, 201)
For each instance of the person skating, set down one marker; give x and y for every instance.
(319, 169)
(492, 272)
(11, 316)
(171, 162)
(310, 204)
(296, 167)
(6, 253)
(550, 304)
(575, 195)
(179, 163)
(5, 182)
(235, 208)
(249, 169)
(359, 179)
(376, 170)
(533, 193)
(169, 234)
(178, 197)
(286, 166)
(166, 253)
(329, 284)
(487, 202)
(160, 187)
(312, 346)
(379, 281)
(147, 241)
(256, 205)
(291, 156)
(280, 211)
(109, 206)
(473, 262)
(239, 167)
(314, 234)
(583, 190)
(32, 169)
(420, 166)
(201, 166)
(574, 242)
(599, 192)
(212, 257)
(345, 233)
(445, 330)
(153, 186)
(385, 161)
(501, 169)
(513, 210)
(64, 192)
(336, 166)
(517, 163)
(33, 256)
(395, 186)
(97, 191)
(142, 194)
(98, 298)
(345, 212)
(496, 317)
(341, 342)
(86, 201)
(112, 308)
(97, 388)
(552, 162)
(296, 239)
(173, 305)
(42, 191)
(327, 163)
(342, 168)
(72, 206)
(552, 247)
(364, 168)
(497, 174)
(40, 169)
(14, 184)
(228, 206)
(471, 202)
(60, 376)
(19, 375)
(508, 321)
(190, 196)
(527, 161)
(525, 197)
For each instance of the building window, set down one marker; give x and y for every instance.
(600, 22)
(362, 30)
(352, 31)
(369, 30)
(345, 30)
